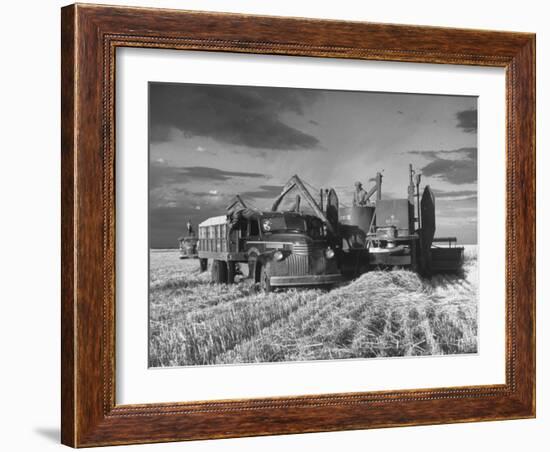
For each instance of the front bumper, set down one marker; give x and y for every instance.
(306, 280)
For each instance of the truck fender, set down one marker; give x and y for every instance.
(261, 261)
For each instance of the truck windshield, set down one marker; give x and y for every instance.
(284, 223)
(315, 229)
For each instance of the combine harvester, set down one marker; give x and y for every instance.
(290, 248)
(401, 232)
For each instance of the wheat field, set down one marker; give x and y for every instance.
(380, 314)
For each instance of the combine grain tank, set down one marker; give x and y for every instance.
(360, 216)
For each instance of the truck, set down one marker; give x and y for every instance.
(282, 249)
(188, 246)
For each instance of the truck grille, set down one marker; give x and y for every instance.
(298, 265)
(304, 259)
(304, 249)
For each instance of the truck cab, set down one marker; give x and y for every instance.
(282, 249)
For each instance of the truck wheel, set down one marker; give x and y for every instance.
(219, 272)
(253, 273)
(231, 272)
(265, 275)
(203, 264)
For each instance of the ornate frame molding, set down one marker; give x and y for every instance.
(90, 37)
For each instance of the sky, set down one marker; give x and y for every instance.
(210, 142)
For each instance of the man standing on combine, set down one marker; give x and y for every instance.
(360, 197)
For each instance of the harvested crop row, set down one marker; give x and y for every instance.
(198, 337)
(380, 314)
(194, 322)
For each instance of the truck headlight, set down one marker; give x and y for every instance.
(278, 255)
(329, 253)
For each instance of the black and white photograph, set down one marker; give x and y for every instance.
(275, 226)
(292, 224)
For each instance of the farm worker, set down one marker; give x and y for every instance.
(360, 196)
(189, 228)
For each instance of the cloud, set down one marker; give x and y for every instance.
(455, 194)
(237, 115)
(192, 193)
(167, 223)
(467, 120)
(460, 207)
(264, 192)
(167, 220)
(454, 166)
(213, 174)
(161, 175)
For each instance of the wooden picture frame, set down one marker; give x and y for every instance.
(90, 36)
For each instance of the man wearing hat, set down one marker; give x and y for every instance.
(360, 196)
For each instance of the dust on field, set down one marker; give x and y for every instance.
(380, 314)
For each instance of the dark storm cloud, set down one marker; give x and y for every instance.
(167, 222)
(245, 116)
(214, 174)
(453, 171)
(456, 166)
(467, 120)
(265, 191)
(161, 175)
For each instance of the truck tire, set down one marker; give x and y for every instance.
(253, 268)
(219, 272)
(265, 274)
(203, 264)
(231, 272)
